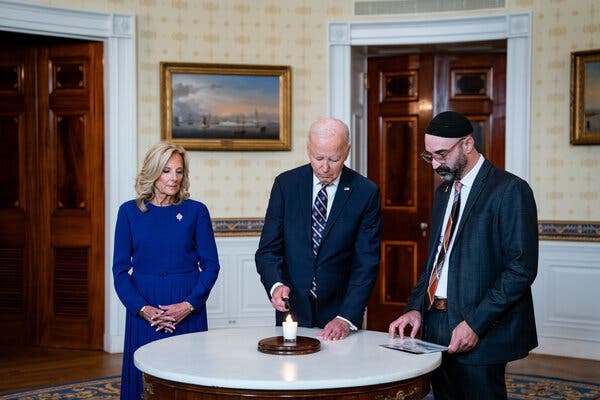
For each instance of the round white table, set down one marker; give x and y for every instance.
(226, 363)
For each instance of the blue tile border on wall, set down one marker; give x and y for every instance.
(237, 226)
(569, 230)
(548, 230)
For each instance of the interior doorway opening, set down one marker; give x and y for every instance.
(350, 43)
(405, 87)
(118, 33)
(52, 205)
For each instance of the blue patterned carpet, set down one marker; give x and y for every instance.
(519, 386)
(533, 387)
(102, 388)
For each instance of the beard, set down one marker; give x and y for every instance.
(451, 174)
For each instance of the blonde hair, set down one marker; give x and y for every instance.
(154, 162)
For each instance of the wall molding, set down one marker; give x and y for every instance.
(237, 226)
(568, 323)
(348, 38)
(568, 348)
(574, 231)
(577, 231)
(238, 298)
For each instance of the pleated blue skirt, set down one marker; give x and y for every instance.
(161, 289)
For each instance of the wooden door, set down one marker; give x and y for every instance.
(17, 203)
(474, 85)
(400, 95)
(58, 188)
(405, 92)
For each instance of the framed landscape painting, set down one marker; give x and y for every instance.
(585, 97)
(226, 107)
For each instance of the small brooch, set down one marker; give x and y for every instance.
(179, 217)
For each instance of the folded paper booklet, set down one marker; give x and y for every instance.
(415, 346)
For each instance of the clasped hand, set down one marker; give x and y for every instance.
(166, 317)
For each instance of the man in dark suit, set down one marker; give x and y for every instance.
(474, 295)
(319, 246)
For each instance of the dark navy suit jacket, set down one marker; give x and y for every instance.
(347, 263)
(491, 267)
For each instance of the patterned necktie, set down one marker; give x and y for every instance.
(437, 269)
(319, 219)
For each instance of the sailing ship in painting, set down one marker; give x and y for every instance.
(208, 126)
(225, 107)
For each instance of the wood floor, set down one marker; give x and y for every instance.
(29, 367)
(22, 368)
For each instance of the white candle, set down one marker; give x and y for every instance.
(290, 328)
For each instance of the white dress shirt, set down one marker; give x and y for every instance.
(467, 183)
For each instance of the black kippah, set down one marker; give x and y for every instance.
(449, 124)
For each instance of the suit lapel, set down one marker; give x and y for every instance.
(305, 196)
(437, 218)
(440, 209)
(478, 186)
(342, 194)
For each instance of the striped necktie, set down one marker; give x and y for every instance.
(319, 219)
(437, 269)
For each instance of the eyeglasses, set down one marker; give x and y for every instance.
(440, 155)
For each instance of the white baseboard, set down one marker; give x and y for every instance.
(568, 321)
(568, 348)
(114, 343)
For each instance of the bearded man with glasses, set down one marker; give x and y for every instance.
(474, 295)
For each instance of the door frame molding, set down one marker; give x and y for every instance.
(118, 33)
(347, 43)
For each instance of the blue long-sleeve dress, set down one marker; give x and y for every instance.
(172, 255)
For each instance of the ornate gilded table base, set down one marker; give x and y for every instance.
(410, 389)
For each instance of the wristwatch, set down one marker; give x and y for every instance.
(191, 306)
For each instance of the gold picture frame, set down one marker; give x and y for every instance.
(585, 97)
(226, 107)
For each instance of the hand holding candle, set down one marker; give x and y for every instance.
(290, 329)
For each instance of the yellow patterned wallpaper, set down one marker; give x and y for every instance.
(565, 178)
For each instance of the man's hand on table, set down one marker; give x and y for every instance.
(336, 329)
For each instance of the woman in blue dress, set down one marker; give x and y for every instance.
(165, 258)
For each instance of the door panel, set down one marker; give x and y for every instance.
(400, 91)
(73, 316)
(399, 147)
(17, 133)
(404, 94)
(474, 85)
(52, 208)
